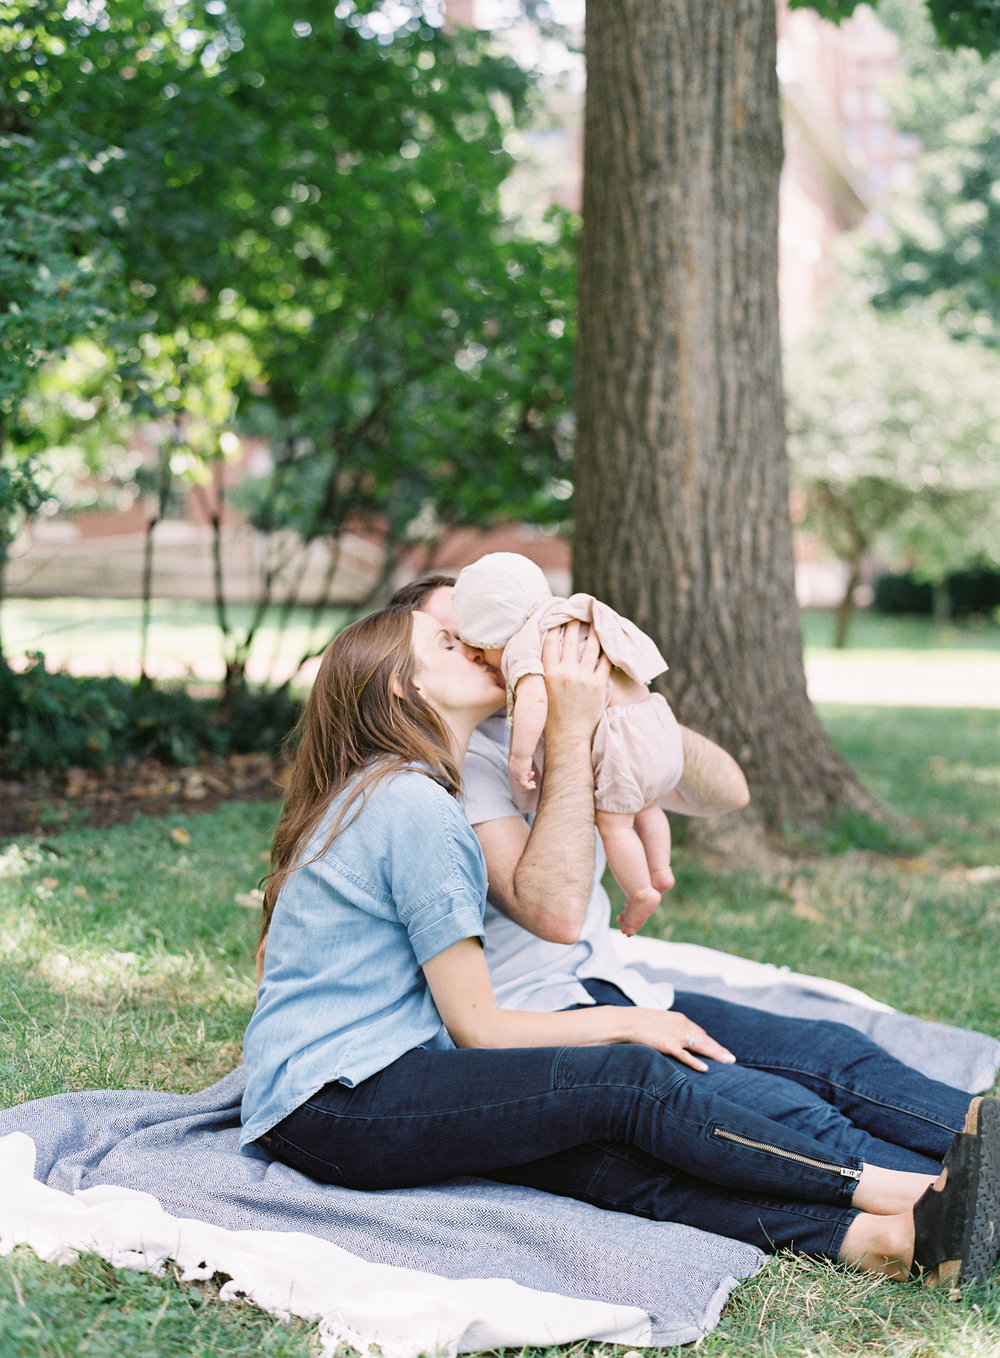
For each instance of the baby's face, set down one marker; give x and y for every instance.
(492, 655)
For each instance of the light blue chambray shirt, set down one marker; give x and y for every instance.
(343, 994)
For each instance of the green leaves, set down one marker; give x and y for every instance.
(967, 23)
(50, 258)
(942, 248)
(957, 23)
(294, 227)
(888, 460)
(895, 414)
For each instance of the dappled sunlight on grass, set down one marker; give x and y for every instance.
(59, 1037)
(171, 979)
(76, 959)
(126, 955)
(952, 773)
(126, 961)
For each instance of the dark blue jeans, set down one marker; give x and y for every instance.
(818, 1076)
(435, 1114)
(767, 1158)
(910, 1120)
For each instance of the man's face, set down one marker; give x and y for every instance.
(438, 605)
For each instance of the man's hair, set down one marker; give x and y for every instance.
(417, 592)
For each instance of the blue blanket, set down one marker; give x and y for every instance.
(182, 1149)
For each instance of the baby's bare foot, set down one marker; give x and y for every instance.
(638, 908)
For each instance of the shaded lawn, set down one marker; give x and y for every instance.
(125, 960)
(899, 634)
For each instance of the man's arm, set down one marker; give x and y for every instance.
(712, 782)
(541, 877)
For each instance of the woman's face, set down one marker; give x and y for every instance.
(438, 605)
(450, 675)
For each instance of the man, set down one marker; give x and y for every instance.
(549, 946)
(549, 943)
(548, 940)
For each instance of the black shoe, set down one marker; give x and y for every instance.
(957, 1228)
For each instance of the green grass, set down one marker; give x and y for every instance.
(125, 953)
(96, 636)
(90, 1308)
(105, 632)
(912, 917)
(901, 635)
(125, 960)
(940, 768)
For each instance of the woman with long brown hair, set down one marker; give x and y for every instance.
(378, 1057)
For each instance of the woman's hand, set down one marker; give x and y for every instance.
(676, 1035)
(460, 985)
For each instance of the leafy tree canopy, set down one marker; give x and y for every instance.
(957, 23)
(305, 198)
(888, 462)
(942, 247)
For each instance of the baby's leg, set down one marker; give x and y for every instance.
(653, 828)
(627, 861)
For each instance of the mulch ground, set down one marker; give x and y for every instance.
(44, 803)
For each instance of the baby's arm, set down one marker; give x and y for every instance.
(527, 722)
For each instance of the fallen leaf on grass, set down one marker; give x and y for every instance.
(808, 912)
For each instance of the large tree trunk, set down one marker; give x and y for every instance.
(681, 502)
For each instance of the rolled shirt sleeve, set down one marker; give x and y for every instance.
(343, 994)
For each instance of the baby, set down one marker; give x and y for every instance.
(503, 606)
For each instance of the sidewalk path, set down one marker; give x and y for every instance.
(885, 681)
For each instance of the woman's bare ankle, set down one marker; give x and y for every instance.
(880, 1244)
(884, 1192)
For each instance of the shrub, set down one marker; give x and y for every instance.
(974, 592)
(54, 720)
(903, 594)
(968, 592)
(258, 719)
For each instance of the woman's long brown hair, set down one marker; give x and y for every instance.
(365, 720)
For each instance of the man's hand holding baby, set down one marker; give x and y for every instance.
(576, 683)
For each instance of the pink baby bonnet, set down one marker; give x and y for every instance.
(494, 597)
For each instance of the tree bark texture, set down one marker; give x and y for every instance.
(681, 499)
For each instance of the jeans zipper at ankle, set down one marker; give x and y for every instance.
(845, 1173)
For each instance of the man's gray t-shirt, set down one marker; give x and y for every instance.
(527, 972)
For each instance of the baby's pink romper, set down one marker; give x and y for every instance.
(638, 757)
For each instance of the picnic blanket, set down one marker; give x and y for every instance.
(142, 1177)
